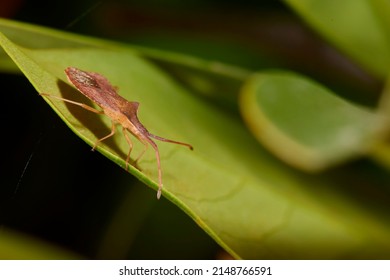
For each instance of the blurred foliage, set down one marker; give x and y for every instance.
(58, 191)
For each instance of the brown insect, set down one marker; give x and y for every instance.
(98, 89)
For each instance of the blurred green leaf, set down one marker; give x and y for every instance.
(382, 10)
(305, 124)
(381, 152)
(17, 246)
(250, 203)
(359, 28)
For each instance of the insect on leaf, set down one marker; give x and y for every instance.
(121, 111)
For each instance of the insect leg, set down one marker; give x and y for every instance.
(85, 106)
(170, 141)
(105, 137)
(147, 141)
(128, 140)
(146, 145)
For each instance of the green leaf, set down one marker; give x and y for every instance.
(17, 246)
(382, 10)
(355, 27)
(305, 124)
(249, 202)
(381, 152)
(211, 79)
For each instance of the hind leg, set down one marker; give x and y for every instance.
(82, 105)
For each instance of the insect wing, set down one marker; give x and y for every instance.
(95, 87)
